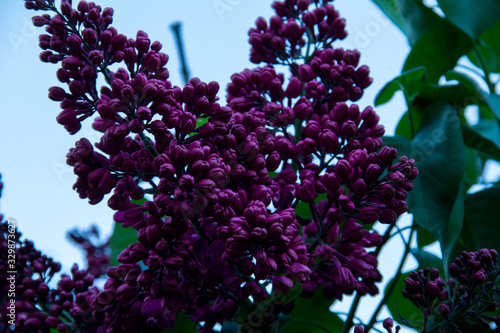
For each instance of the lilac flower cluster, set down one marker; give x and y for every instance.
(97, 255)
(38, 307)
(217, 225)
(471, 292)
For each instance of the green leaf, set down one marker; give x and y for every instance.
(494, 103)
(474, 95)
(183, 325)
(266, 306)
(439, 154)
(427, 259)
(488, 47)
(201, 121)
(464, 93)
(484, 137)
(481, 223)
(402, 307)
(409, 82)
(121, 239)
(450, 233)
(424, 237)
(404, 126)
(303, 209)
(310, 314)
(438, 51)
(285, 298)
(473, 166)
(472, 16)
(412, 17)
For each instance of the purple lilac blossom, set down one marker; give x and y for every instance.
(38, 307)
(221, 183)
(97, 254)
(470, 292)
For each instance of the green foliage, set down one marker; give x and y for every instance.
(427, 259)
(121, 238)
(400, 307)
(410, 82)
(412, 17)
(256, 312)
(183, 325)
(472, 16)
(312, 315)
(303, 209)
(438, 51)
(484, 137)
(450, 152)
(482, 219)
(488, 47)
(439, 154)
(424, 237)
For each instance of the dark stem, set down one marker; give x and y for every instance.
(410, 118)
(392, 284)
(176, 28)
(354, 306)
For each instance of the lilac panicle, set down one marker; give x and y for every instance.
(218, 185)
(38, 307)
(97, 255)
(471, 292)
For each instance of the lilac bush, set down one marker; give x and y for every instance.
(213, 191)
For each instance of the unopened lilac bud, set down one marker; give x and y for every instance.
(307, 192)
(388, 324)
(343, 169)
(306, 146)
(434, 273)
(306, 73)
(432, 289)
(303, 108)
(359, 187)
(349, 129)
(479, 277)
(71, 63)
(105, 37)
(83, 6)
(32, 324)
(118, 41)
(369, 214)
(293, 30)
(57, 94)
(143, 113)
(294, 88)
(89, 35)
(282, 284)
(444, 310)
(142, 44)
(388, 216)
(328, 141)
(454, 270)
(359, 329)
(412, 285)
(77, 88)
